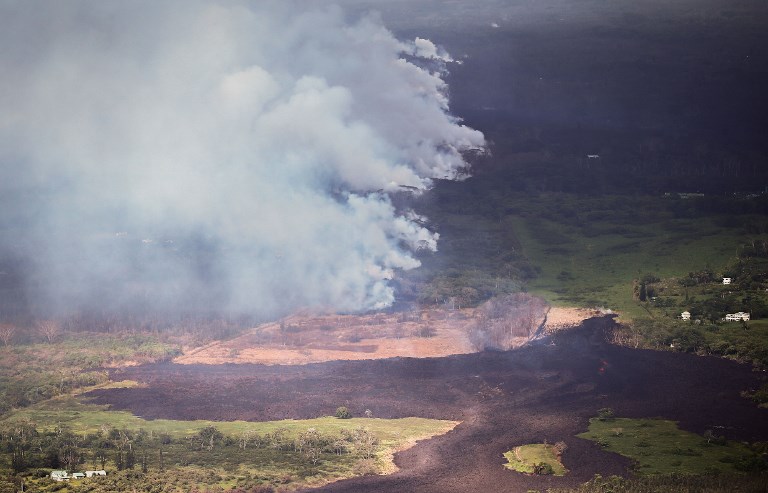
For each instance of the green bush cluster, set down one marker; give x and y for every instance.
(744, 342)
(543, 469)
(606, 414)
(342, 413)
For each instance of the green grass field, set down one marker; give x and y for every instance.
(589, 250)
(525, 458)
(659, 447)
(577, 250)
(82, 418)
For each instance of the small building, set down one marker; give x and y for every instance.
(59, 476)
(685, 315)
(726, 280)
(90, 474)
(78, 475)
(737, 317)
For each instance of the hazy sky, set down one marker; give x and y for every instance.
(162, 153)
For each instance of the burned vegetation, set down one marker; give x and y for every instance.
(502, 323)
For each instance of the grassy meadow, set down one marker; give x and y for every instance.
(599, 270)
(659, 448)
(67, 432)
(536, 458)
(77, 416)
(590, 250)
(31, 373)
(575, 249)
(647, 258)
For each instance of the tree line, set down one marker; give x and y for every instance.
(26, 450)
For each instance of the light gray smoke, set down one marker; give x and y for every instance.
(239, 154)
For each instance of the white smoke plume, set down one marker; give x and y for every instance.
(240, 154)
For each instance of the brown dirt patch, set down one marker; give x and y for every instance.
(304, 338)
(561, 318)
(543, 391)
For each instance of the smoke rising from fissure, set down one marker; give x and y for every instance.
(227, 155)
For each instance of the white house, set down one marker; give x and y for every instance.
(726, 280)
(59, 476)
(685, 315)
(64, 476)
(738, 316)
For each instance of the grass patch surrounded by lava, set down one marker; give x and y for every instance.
(82, 418)
(244, 454)
(273, 453)
(525, 458)
(660, 447)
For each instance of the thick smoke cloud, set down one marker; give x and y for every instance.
(231, 155)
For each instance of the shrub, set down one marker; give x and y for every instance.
(751, 464)
(712, 438)
(605, 414)
(209, 436)
(366, 467)
(560, 447)
(760, 396)
(426, 331)
(342, 413)
(649, 278)
(543, 469)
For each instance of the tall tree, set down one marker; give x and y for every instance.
(7, 332)
(49, 330)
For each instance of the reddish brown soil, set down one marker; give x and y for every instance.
(311, 338)
(314, 338)
(504, 399)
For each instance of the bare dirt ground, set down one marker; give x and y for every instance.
(562, 318)
(543, 391)
(306, 338)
